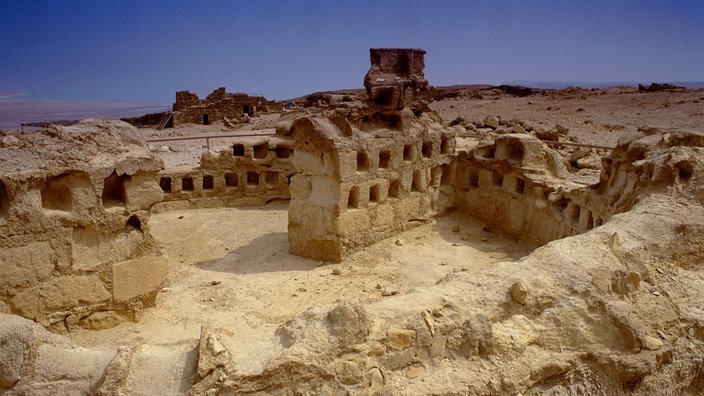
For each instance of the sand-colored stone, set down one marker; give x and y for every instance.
(609, 302)
(139, 277)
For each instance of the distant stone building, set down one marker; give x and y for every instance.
(189, 108)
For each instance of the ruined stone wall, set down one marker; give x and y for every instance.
(74, 234)
(353, 187)
(519, 185)
(395, 79)
(368, 170)
(218, 105)
(252, 172)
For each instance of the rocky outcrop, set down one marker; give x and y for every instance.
(74, 210)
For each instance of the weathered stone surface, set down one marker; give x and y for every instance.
(400, 339)
(73, 201)
(101, 320)
(349, 324)
(348, 373)
(519, 292)
(139, 277)
(395, 79)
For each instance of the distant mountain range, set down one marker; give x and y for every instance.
(585, 84)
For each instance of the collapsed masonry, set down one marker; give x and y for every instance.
(74, 212)
(218, 105)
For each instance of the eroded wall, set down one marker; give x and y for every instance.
(253, 171)
(74, 213)
(358, 183)
(520, 186)
(218, 105)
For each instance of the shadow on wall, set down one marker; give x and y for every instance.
(267, 253)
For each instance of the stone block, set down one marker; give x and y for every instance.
(30, 263)
(353, 221)
(348, 164)
(400, 339)
(300, 187)
(90, 248)
(138, 277)
(70, 291)
(308, 163)
(142, 191)
(325, 191)
(385, 215)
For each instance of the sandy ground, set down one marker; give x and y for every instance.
(230, 267)
(595, 117)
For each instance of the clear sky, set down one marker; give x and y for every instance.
(144, 51)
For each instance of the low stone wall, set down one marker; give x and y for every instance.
(74, 213)
(252, 172)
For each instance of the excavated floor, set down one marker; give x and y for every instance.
(230, 268)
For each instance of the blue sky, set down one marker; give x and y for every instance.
(144, 51)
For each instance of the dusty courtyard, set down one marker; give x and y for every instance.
(230, 267)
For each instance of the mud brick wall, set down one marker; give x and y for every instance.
(252, 172)
(74, 224)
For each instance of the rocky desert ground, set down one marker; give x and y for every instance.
(456, 304)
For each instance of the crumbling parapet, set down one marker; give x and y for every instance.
(395, 79)
(74, 216)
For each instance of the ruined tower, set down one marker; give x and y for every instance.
(368, 170)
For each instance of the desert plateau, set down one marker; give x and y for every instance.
(400, 239)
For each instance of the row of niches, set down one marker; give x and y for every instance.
(230, 181)
(65, 191)
(381, 190)
(563, 208)
(261, 151)
(385, 158)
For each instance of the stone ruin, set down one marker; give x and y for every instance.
(395, 79)
(614, 309)
(217, 106)
(367, 171)
(75, 224)
(255, 171)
